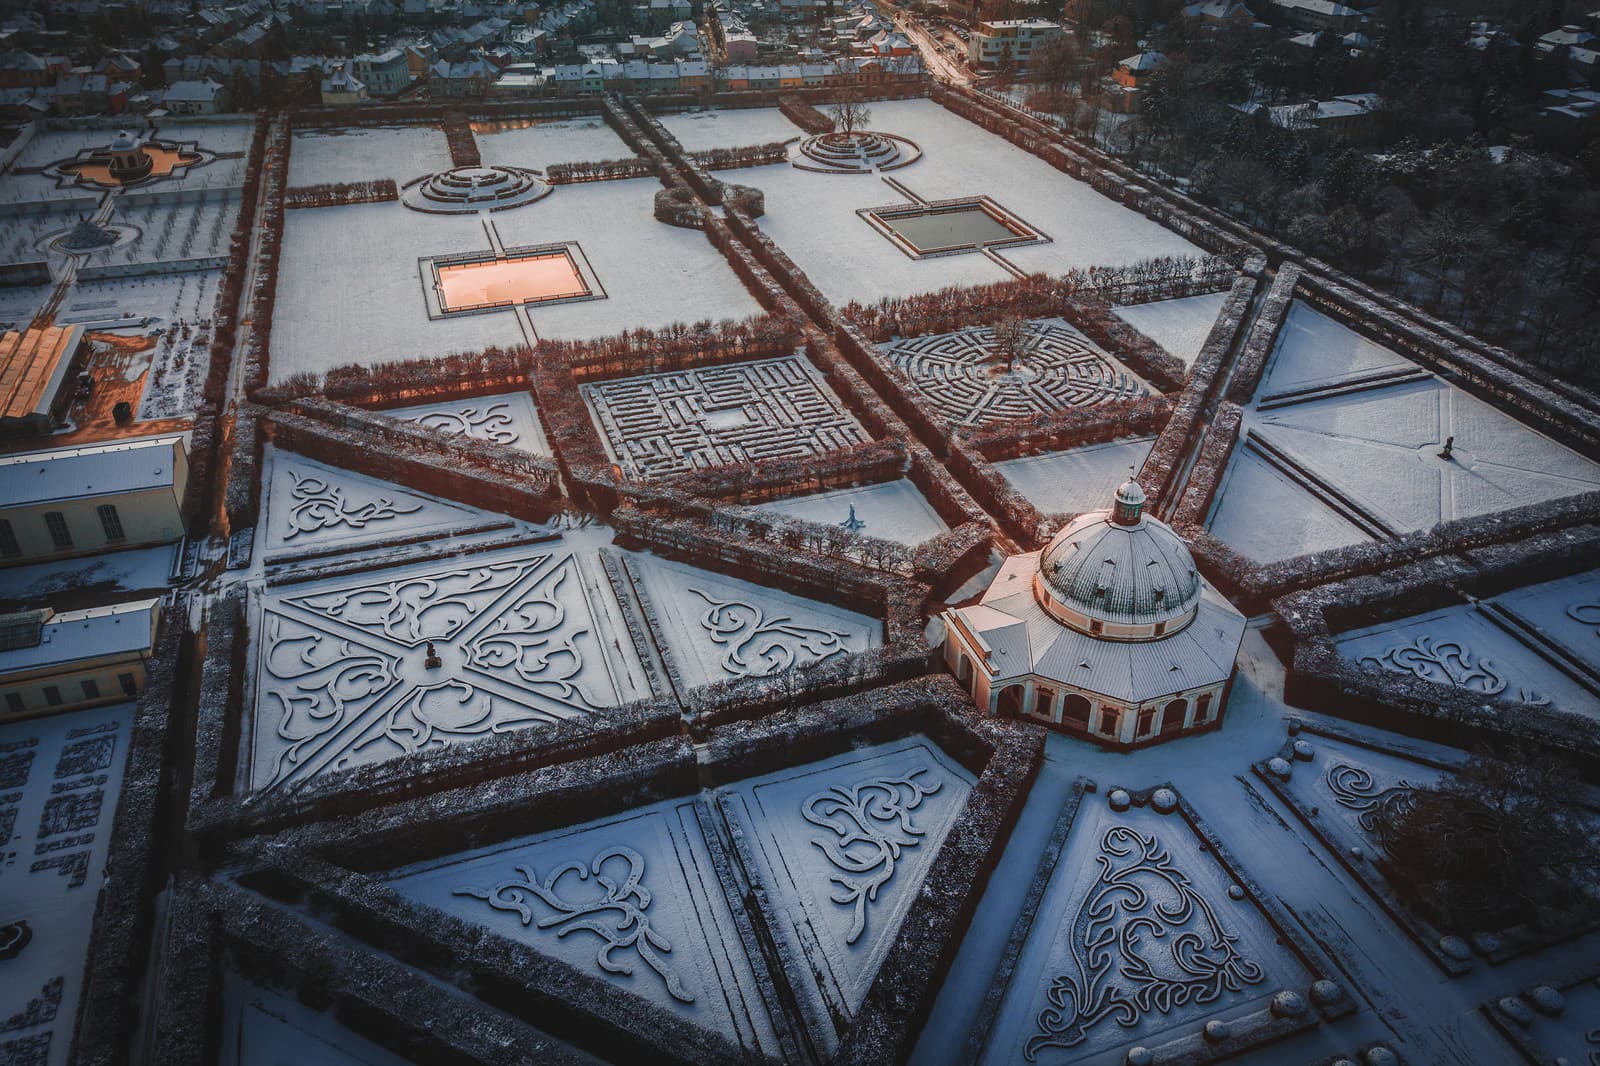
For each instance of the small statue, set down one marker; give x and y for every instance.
(1449, 448)
(432, 661)
(853, 523)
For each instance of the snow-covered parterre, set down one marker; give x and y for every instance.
(564, 630)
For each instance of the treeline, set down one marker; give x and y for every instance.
(599, 170)
(1038, 295)
(341, 193)
(804, 115)
(756, 155)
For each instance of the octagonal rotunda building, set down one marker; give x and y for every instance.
(1109, 633)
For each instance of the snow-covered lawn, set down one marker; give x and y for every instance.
(1379, 449)
(1079, 479)
(812, 216)
(189, 296)
(654, 274)
(1314, 349)
(538, 143)
(893, 510)
(1180, 326)
(349, 290)
(737, 128)
(367, 154)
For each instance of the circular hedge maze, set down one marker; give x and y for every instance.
(960, 377)
(467, 189)
(862, 152)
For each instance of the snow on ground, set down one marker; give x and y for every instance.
(1300, 523)
(1079, 479)
(1376, 449)
(683, 952)
(349, 289)
(1467, 647)
(112, 576)
(311, 507)
(60, 779)
(509, 419)
(342, 673)
(218, 137)
(1314, 349)
(1405, 999)
(717, 627)
(1180, 326)
(812, 216)
(804, 827)
(366, 154)
(654, 274)
(536, 143)
(187, 296)
(893, 510)
(735, 128)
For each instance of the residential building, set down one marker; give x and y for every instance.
(385, 73)
(341, 88)
(1017, 39)
(1317, 15)
(204, 97)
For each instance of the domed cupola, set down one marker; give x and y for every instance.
(1119, 574)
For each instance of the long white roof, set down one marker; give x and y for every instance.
(78, 636)
(137, 465)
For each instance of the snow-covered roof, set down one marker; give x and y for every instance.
(1143, 63)
(78, 636)
(139, 465)
(203, 91)
(1200, 654)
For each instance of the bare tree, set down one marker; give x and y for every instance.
(1011, 342)
(850, 113)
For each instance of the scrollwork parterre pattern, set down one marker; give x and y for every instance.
(1376, 808)
(343, 675)
(493, 423)
(1448, 662)
(870, 824)
(316, 505)
(617, 916)
(756, 643)
(1143, 941)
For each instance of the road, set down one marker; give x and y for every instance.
(935, 58)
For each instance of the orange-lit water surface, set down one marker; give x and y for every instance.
(163, 161)
(551, 276)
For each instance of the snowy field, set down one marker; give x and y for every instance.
(349, 290)
(366, 154)
(893, 510)
(654, 274)
(812, 216)
(717, 628)
(1180, 326)
(736, 128)
(1314, 349)
(1301, 523)
(509, 419)
(1376, 449)
(678, 949)
(537, 143)
(313, 508)
(190, 230)
(1079, 479)
(60, 779)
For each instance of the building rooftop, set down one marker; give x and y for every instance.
(137, 465)
(78, 636)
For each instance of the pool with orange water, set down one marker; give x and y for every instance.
(526, 279)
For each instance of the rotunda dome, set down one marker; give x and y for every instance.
(1119, 574)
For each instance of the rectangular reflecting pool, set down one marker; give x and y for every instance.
(958, 227)
(950, 226)
(495, 282)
